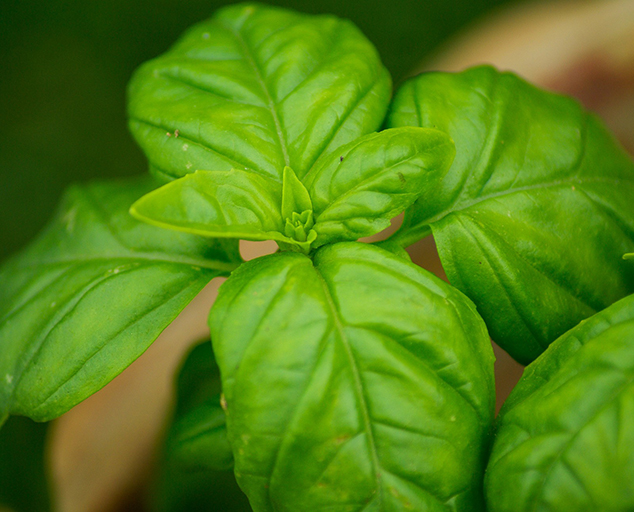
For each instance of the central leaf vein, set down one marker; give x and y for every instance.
(250, 57)
(358, 385)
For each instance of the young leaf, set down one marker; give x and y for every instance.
(257, 88)
(295, 197)
(359, 382)
(235, 204)
(565, 436)
(357, 189)
(536, 211)
(90, 295)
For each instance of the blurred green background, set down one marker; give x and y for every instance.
(65, 65)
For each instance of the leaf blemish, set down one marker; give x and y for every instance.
(8, 378)
(341, 159)
(70, 219)
(401, 177)
(176, 134)
(185, 147)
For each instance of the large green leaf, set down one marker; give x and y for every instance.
(257, 88)
(357, 382)
(565, 437)
(90, 295)
(533, 217)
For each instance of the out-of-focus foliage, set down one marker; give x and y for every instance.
(22, 479)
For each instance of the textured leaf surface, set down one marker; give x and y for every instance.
(359, 382)
(257, 88)
(353, 192)
(565, 437)
(198, 437)
(537, 210)
(90, 295)
(357, 189)
(216, 204)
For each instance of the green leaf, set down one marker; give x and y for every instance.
(394, 248)
(197, 440)
(235, 204)
(232, 204)
(89, 295)
(23, 482)
(295, 197)
(566, 435)
(257, 88)
(357, 189)
(536, 211)
(193, 474)
(359, 382)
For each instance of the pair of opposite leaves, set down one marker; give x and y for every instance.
(564, 437)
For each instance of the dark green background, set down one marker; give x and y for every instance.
(65, 64)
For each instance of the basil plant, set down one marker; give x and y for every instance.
(343, 377)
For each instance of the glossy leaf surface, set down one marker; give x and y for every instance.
(533, 218)
(257, 88)
(233, 204)
(357, 382)
(353, 192)
(565, 437)
(197, 440)
(357, 189)
(89, 295)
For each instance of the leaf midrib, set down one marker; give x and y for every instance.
(272, 107)
(358, 385)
